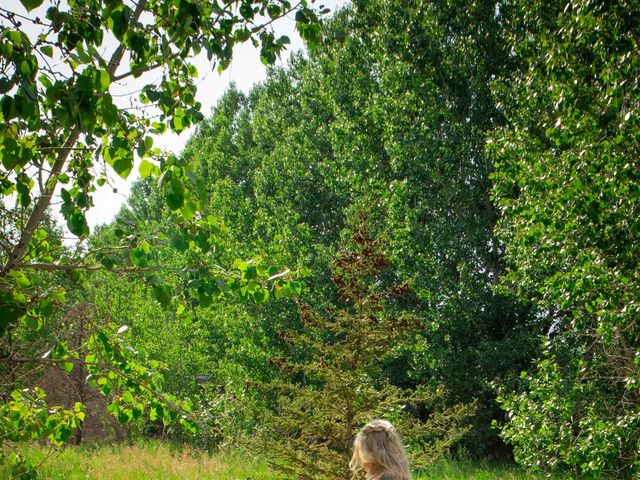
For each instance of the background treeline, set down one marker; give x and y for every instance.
(492, 145)
(389, 117)
(493, 149)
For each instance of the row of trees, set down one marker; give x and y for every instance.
(491, 145)
(354, 127)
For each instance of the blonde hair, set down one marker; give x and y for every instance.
(378, 443)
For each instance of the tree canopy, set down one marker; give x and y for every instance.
(490, 146)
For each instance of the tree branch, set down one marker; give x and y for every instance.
(109, 368)
(53, 267)
(35, 218)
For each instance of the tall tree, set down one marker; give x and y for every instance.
(425, 111)
(566, 183)
(62, 132)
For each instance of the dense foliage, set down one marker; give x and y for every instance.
(567, 183)
(380, 124)
(63, 131)
(492, 145)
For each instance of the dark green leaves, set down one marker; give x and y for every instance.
(163, 294)
(174, 193)
(178, 241)
(47, 50)
(118, 21)
(140, 254)
(308, 27)
(568, 198)
(77, 223)
(9, 314)
(173, 187)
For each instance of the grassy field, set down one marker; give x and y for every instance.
(156, 460)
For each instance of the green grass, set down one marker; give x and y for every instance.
(145, 461)
(469, 470)
(158, 460)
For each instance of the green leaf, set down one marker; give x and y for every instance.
(204, 299)
(120, 157)
(124, 415)
(283, 291)
(274, 10)
(127, 397)
(77, 224)
(47, 50)
(162, 293)
(58, 296)
(250, 273)
(62, 434)
(189, 210)
(25, 68)
(153, 414)
(138, 257)
(177, 241)
(15, 36)
(45, 308)
(242, 34)
(296, 287)
(123, 165)
(32, 322)
(20, 278)
(19, 297)
(102, 80)
(118, 22)
(305, 272)
(261, 296)
(105, 386)
(146, 168)
(222, 285)
(174, 195)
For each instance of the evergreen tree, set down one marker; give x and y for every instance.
(309, 432)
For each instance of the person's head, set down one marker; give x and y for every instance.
(378, 448)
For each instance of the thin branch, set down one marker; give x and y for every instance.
(109, 368)
(8, 13)
(259, 27)
(35, 467)
(141, 70)
(93, 267)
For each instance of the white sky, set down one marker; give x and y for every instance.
(245, 70)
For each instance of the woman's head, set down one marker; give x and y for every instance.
(378, 446)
